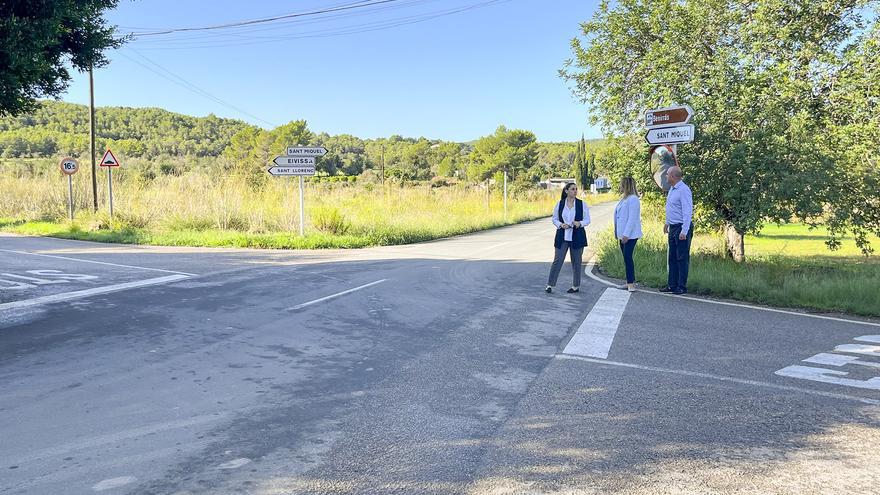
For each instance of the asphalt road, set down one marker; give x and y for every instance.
(440, 367)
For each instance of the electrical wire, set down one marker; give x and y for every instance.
(180, 81)
(222, 40)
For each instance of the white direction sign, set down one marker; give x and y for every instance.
(670, 135)
(292, 170)
(306, 151)
(294, 160)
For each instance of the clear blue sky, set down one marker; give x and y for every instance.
(455, 77)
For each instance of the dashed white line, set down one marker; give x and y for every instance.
(97, 262)
(66, 296)
(596, 334)
(711, 376)
(332, 296)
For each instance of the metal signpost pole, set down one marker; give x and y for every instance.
(299, 161)
(302, 206)
(110, 188)
(505, 194)
(488, 195)
(69, 166)
(70, 195)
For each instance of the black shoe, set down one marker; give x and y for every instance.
(548, 289)
(679, 292)
(573, 290)
(667, 289)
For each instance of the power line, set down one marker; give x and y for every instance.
(180, 81)
(243, 38)
(356, 5)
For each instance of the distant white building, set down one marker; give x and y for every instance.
(556, 183)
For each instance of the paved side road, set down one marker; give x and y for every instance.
(433, 368)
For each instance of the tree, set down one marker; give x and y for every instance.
(510, 150)
(760, 93)
(580, 165)
(38, 37)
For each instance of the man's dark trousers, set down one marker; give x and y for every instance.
(679, 257)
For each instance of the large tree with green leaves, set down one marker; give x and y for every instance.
(759, 74)
(513, 150)
(38, 38)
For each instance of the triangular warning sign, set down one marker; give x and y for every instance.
(109, 160)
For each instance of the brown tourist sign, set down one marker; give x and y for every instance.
(668, 116)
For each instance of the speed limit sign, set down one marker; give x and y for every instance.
(69, 165)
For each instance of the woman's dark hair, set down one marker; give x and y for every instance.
(565, 190)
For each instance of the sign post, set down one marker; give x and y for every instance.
(109, 161)
(505, 194)
(299, 161)
(667, 128)
(69, 166)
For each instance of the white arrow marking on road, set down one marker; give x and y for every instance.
(66, 296)
(349, 291)
(96, 262)
(729, 379)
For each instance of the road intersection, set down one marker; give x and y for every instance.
(439, 367)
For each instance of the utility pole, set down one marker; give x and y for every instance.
(92, 138)
(505, 193)
(383, 164)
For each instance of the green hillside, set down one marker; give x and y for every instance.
(59, 128)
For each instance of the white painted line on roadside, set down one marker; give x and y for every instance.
(596, 334)
(588, 270)
(101, 442)
(741, 381)
(235, 463)
(67, 296)
(332, 296)
(112, 483)
(98, 262)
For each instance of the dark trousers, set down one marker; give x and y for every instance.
(627, 248)
(679, 257)
(559, 259)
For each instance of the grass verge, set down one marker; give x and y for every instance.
(434, 221)
(786, 266)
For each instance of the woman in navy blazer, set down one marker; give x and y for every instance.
(570, 217)
(628, 226)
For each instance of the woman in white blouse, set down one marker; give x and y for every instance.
(570, 217)
(628, 226)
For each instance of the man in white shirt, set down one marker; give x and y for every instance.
(680, 230)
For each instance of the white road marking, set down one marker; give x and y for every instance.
(839, 360)
(113, 483)
(66, 296)
(828, 376)
(588, 270)
(99, 442)
(235, 463)
(741, 381)
(874, 339)
(349, 291)
(97, 262)
(868, 350)
(596, 334)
